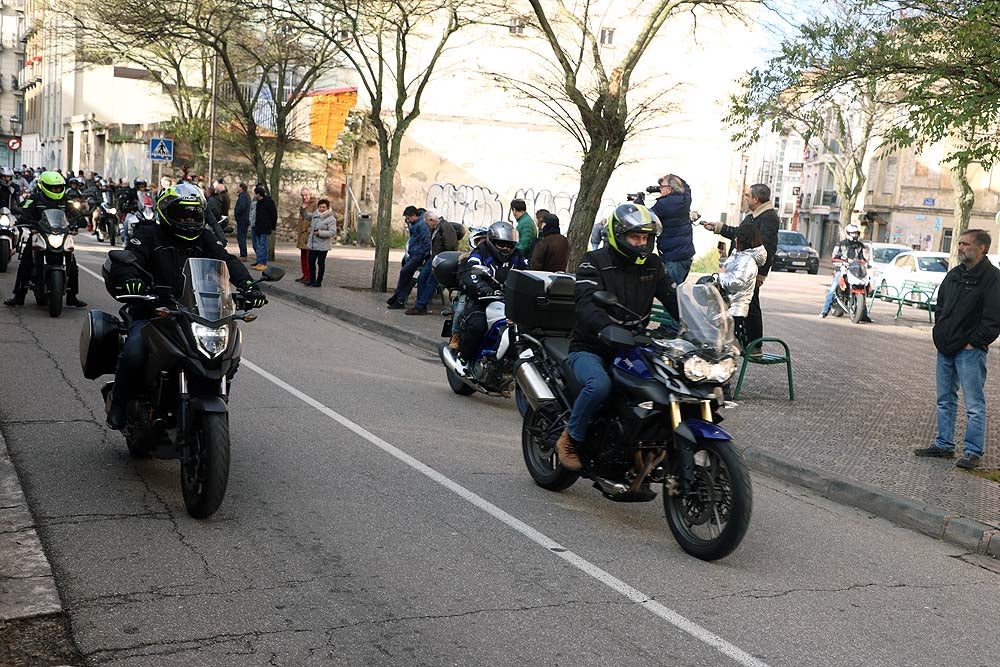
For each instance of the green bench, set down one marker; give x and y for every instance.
(913, 293)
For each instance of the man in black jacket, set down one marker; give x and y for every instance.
(161, 252)
(265, 222)
(763, 215)
(626, 268)
(967, 320)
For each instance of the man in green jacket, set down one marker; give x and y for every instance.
(526, 229)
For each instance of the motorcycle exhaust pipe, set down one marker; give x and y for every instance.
(451, 363)
(608, 487)
(534, 387)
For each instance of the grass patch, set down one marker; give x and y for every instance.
(707, 263)
(992, 475)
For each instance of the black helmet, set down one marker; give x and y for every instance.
(181, 209)
(76, 182)
(139, 183)
(633, 218)
(501, 239)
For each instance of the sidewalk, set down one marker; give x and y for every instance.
(864, 399)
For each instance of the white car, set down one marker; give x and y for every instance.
(917, 265)
(879, 256)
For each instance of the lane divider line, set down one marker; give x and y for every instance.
(669, 615)
(675, 619)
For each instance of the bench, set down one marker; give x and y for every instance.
(767, 358)
(659, 315)
(913, 293)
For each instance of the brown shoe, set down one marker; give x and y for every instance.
(454, 342)
(415, 311)
(566, 451)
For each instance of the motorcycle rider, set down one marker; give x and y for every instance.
(10, 192)
(74, 193)
(846, 250)
(161, 251)
(498, 254)
(50, 193)
(627, 268)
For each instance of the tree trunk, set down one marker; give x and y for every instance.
(595, 172)
(847, 201)
(383, 227)
(965, 198)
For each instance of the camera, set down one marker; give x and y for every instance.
(640, 197)
(652, 189)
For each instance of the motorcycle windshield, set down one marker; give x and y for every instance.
(207, 291)
(54, 220)
(705, 319)
(858, 270)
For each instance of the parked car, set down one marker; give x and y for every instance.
(795, 254)
(879, 256)
(918, 265)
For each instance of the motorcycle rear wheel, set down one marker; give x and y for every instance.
(205, 476)
(457, 385)
(710, 520)
(4, 254)
(57, 287)
(539, 450)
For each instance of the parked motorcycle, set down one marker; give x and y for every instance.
(51, 242)
(180, 410)
(10, 236)
(659, 425)
(853, 289)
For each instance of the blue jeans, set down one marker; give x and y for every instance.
(596, 386)
(260, 247)
(405, 282)
(828, 303)
(426, 285)
(678, 271)
(968, 369)
(241, 236)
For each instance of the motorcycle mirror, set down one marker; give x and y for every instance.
(605, 299)
(273, 274)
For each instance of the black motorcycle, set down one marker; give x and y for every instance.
(105, 219)
(10, 236)
(659, 425)
(51, 242)
(180, 409)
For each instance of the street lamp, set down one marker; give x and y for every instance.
(15, 130)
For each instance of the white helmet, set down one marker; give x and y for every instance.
(853, 229)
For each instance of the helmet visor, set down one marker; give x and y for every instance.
(55, 189)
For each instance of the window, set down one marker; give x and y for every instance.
(517, 26)
(934, 264)
(607, 36)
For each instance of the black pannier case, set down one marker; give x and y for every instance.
(540, 300)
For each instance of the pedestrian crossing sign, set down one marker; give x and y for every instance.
(161, 150)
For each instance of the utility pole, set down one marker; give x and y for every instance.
(211, 122)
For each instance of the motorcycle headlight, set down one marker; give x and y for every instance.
(55, 240)
(211, 342)
(723, 370)
(696, 368)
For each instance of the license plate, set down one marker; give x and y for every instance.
(798, 263)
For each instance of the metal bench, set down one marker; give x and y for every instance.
(767, 358)
(914, 293)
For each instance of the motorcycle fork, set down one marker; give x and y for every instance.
(183, 413)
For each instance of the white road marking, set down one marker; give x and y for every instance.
(541, 539)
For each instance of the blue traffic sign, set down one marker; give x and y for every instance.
(161, 150)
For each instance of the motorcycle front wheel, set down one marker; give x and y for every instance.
(859, 307)
(4, 254)
(205, 475)
(710, 518)
(56, 283)
(539, 432)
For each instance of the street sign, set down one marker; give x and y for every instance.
(161, 150)
(14, 144)
(928, 201)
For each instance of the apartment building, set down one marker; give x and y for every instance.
(12, 27)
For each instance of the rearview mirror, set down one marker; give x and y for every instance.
(273, 274)
(605, 299)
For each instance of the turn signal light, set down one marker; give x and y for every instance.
(162, 312)
(248, 317)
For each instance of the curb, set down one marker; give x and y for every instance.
(978, 537)
(967, 533)
(27, 585)
(371, 324)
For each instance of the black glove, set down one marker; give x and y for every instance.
(133, 286)
(252, 296)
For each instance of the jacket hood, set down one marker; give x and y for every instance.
(329, 214)
(759, 254)
(550, 228)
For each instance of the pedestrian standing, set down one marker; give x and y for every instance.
(265, 222)
(966, 322)
(223, 192)
(761, 214)
(322, 229)
(599, 234)
(242, 214)
(307, 206)
(527, 232)
(551, 253)
(676, 241)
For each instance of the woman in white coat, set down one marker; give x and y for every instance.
(321, 232)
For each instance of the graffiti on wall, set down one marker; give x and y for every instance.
(475, 205)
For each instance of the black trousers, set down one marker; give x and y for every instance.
(473, 329)
(317, 266)
(754, 322)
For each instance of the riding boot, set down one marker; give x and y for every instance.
(16, 300)
(566, 450)
(72, 300)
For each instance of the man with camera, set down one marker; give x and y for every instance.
(676, 242)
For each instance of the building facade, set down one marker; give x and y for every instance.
(12, 26)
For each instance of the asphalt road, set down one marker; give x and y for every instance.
(375, 518)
